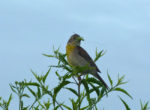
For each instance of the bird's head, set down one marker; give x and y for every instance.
(75, 39)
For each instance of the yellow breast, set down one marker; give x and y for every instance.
(69, 49)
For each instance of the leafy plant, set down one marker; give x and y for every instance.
(85, 85)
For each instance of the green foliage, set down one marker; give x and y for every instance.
(125, 104)
(88, 89)
(98, 54)
(144, 106)
(5, 104)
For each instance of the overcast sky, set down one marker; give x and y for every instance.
(29, 28)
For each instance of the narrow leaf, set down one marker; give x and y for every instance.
(48, 55)
(84, 108)
(59, 87)
(98, 55)
(39, 92)
(12, 88)
(95, 89)
(35, 75)
(10, 98)
(45, 76)
(33, 93)
(59, 77)
(67, 107)
(93, 80)
(87, 90)
(125, 104)
(73, 91)
(123, 91)
(26, 95)
(110, 80)
(32, 84)
(144, 106)
(74, 105)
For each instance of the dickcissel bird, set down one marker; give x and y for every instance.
(78, 57)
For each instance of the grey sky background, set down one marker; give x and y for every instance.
(29, 28)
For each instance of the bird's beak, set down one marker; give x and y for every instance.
(80, 39)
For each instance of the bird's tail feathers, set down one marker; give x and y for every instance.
(102, 81)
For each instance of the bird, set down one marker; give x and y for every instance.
(78, 57)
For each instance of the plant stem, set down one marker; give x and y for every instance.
(79, 84)
(50, 94)
(75, 80)
(20, 103)
(32, 105)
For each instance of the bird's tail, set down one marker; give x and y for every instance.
(102, 81)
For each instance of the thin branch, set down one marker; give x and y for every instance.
(20, 103)
(33, 104)
(49, 93)
(79, 97)
(75, 80)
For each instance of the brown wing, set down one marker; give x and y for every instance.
(86, 56)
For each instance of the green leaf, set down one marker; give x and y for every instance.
(67, 107)
(47, 104)
(45, 76)
(87, 90)
(123, 91)
(99, 54)
(94, 80)
(74, 105)
(41, 105)
(125, 104)
(110, 80)
(96, 108)
(59, 87)
(84, 108)
(87, 76)
(35, 75)
(26, 95)
(25, 108)
(101, 94)
(56, 51)
(10, 98)
(59, 77)
(67, 76)
(48, 55)
(72, 90)
(82, 95)
(33, 93)
(95, 88)
(62, 58)
(32, 84)
(12, 88)
(39, 93)
(67, 68)
(145, 106)
(120, 80)
(58, 106)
